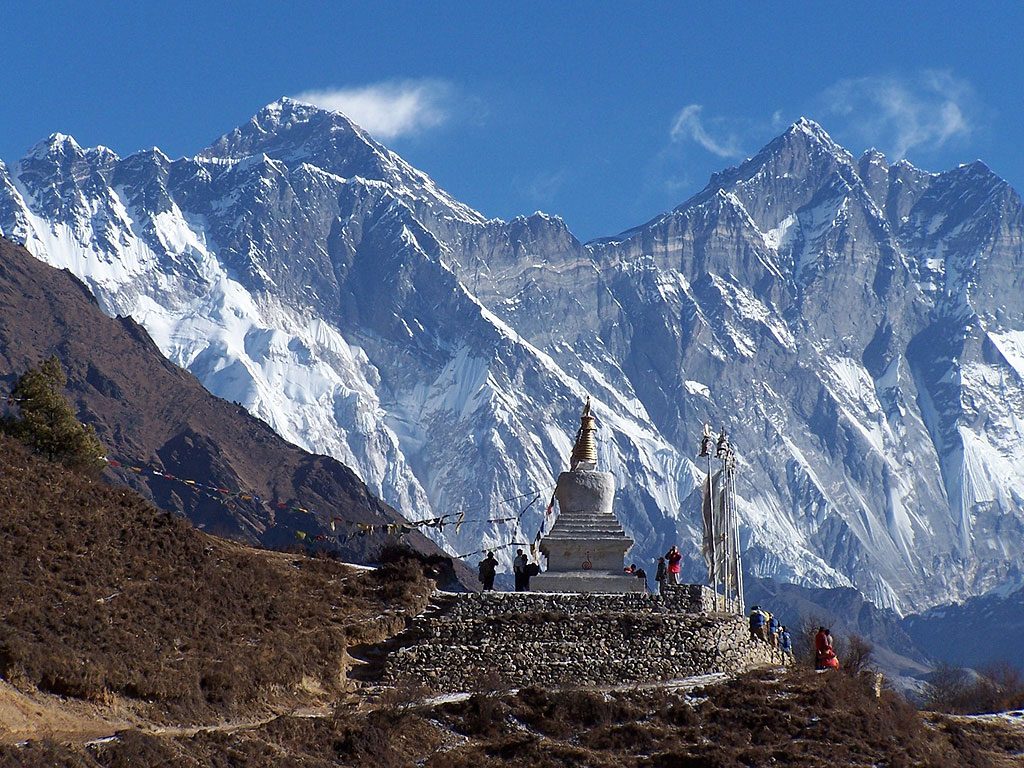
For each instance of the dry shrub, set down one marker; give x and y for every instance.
(855, 655)
(43, 754)
(104, 594)
(487, 680)
(405, 693)
(482, 714)
(956, 690)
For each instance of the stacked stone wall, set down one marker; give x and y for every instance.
(553, 639)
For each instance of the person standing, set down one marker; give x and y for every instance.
(519, 570)
(487, 569)
(785, 644)
(757, 624)
(773, 630)
(531, 569)
(674, 559)
(659, 575)
(823, 653)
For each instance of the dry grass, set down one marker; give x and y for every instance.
(799, 719)
(103, 595)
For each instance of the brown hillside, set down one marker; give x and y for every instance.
(146, 409)
(760, 719)
(104, 598)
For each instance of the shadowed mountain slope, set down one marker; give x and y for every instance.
(148, 411)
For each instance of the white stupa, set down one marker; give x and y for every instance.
(586, 546)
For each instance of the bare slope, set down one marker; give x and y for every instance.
(145, 409)
(103, 598)
(798, 719)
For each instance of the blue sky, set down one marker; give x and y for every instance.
(603, 113)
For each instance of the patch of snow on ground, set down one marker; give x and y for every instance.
(696, 388)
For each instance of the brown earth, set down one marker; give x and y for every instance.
(147, 410)
(128, 638)
(786, 718)
(106, 600)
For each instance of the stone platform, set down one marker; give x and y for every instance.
(585, 581)
(563, 639)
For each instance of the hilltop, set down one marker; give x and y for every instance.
(128, 637)
(138, 617)
(149, 412)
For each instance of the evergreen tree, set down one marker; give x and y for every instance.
(47, 424)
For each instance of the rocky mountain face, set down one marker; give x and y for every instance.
(857, 326)
(977, 633)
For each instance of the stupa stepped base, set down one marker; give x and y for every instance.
(516, 639)
(586, 581)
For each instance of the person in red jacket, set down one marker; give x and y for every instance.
(674, 558)
(824, 654)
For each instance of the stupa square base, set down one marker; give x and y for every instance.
(586, 581)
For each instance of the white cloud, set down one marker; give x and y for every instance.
(389, 109)
(688, 125)
(543, 187)
(899, 114)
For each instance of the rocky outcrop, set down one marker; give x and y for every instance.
(549, 639)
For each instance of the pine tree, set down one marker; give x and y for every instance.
(47, 424)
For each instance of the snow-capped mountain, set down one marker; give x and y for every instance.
(859, 327)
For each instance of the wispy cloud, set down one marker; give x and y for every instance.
(900, 114)
(719, 139)
(543, 187)
(389, 109)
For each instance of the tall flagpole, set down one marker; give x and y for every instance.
(722, 454)
(736, 533)
(705, 451)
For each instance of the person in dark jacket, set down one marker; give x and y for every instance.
(641, 574)
(660, 574)
(487, 568)
(785, 643)
(519, 570)
(531, 569)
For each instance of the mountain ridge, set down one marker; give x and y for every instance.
(148, 411)
(443, 356)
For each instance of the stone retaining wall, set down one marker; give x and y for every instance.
(576, 639)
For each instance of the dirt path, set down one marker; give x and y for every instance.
(33, 716)
(234, 726)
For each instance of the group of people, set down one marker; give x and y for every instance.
(669, 567)
(768, 629)
(824, 653)
(522, 570)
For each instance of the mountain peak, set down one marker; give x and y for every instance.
(811, 133)
(286, 124)
(56, 144)
(808, 126)
(286, 110)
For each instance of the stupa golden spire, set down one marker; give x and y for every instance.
(584, 453)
